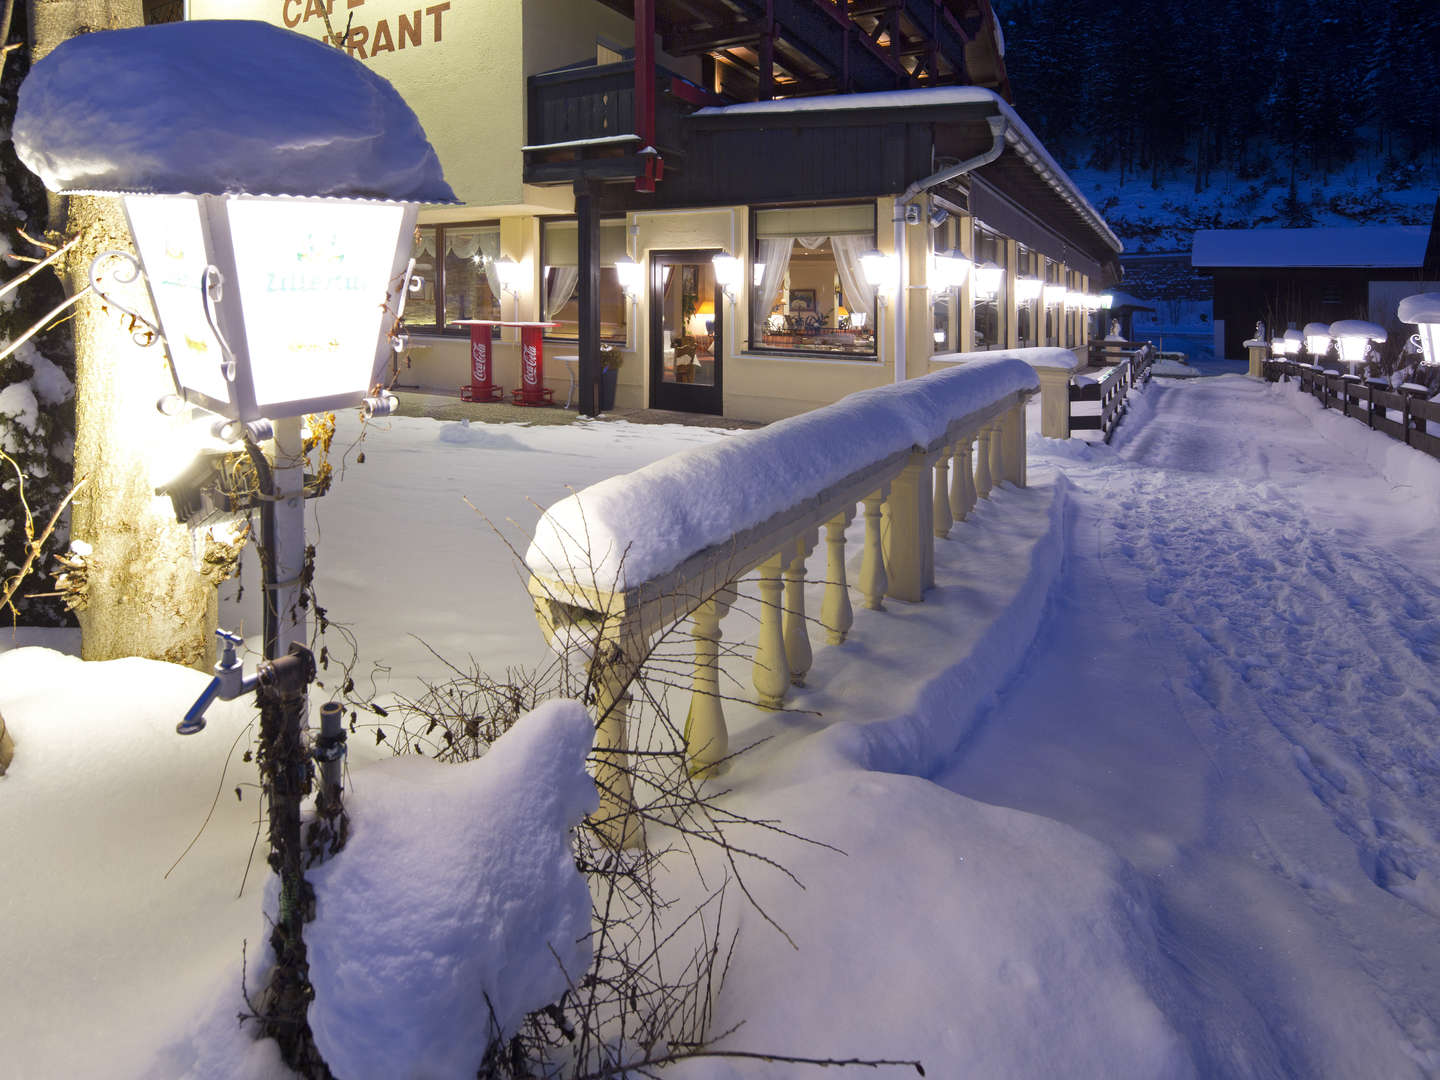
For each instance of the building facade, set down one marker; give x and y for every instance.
(886, 209)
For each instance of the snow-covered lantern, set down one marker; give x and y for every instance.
(1423, 309)
(1354, 337)
(1317, 339)
(274, 240)
(1293, 340)
(1277, 347)
(1107, 300)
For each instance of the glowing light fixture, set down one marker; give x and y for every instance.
(1317, 339)
(1354, 337)
(1107, 300)
(1293, 340)
(511, 274)
(1423, 309)
(882, 271)
(948, 271)
(1054, 295)
(729, 272)
(987, 280)
(630, 273)
(1028, 289)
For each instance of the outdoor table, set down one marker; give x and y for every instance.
(572, 367)
(532, 363)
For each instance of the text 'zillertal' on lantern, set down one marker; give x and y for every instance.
(370, 34)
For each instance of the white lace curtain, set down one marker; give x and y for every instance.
(560, 286)
(774, 253)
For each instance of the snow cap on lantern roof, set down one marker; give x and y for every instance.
(1317, 329)
(1420, 308)
(1357, 328)
(220, 107)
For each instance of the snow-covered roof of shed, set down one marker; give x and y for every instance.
(1017, 132)
(220, 107)
(1359, 246)
(1422, 307)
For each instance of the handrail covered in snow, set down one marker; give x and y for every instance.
(1405, 413)
(615, 564)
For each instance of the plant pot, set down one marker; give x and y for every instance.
(608, 378)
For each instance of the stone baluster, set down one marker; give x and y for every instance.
(835, 611)
(982, 464)
(910, 536)
(617, 660)
(962, 480)
(941, 512)
(997, 452)
(707, 740)
(873, 581)
(1015, 459)
(772, 669)
(797, 631)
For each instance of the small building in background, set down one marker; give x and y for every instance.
(1289, 277)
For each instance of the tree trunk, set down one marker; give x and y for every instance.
(145, 598)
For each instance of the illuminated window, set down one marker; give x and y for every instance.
(560, 279)
(454, 278)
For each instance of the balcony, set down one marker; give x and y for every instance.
(581, 122)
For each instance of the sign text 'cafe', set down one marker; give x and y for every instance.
(406, 30)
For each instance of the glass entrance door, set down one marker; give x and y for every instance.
(685, 332)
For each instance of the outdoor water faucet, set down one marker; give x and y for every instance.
(228, 684)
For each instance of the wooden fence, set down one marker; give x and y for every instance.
(1404, 414)
(1129, 367)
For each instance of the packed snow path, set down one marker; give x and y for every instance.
(1236, 688)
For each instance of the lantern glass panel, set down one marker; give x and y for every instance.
(171, 243)
(314, 278)
(1430, 342)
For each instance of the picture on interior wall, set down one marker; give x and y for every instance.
(802, 301)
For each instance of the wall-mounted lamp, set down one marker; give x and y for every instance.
(729, 272)
(509, 272)
(987, 280)
(1054, 295)
(1423, 309)
(1107, 300)
(948, 271)
(881, 271)
(1028, 289)
(630, 274)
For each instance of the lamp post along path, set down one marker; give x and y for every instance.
(272, 246)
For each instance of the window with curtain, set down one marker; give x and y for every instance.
(988, 288)
(560, 280)
(808, 292)
(454, 277)
(945, 303)
(1072, 314)
(1053, 312)
(1027, 269)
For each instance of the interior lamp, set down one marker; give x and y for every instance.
(630, 273)
(729, 272)
(1317, 339)
(1054, 295)
(987, 279)
(1354, 337)
(881, 271)
(1423, 309)
(1028, 289)
(948, 271)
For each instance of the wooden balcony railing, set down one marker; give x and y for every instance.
(618, 563)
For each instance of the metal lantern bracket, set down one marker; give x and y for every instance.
(142, 331)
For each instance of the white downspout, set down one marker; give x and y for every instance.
(998, 127)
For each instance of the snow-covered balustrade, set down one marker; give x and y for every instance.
(617, 563)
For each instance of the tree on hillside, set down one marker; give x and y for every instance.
(145, 599)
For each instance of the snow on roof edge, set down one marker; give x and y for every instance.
(1026, 144)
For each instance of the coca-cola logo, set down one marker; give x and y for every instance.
(532, 364)
(480, 360)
